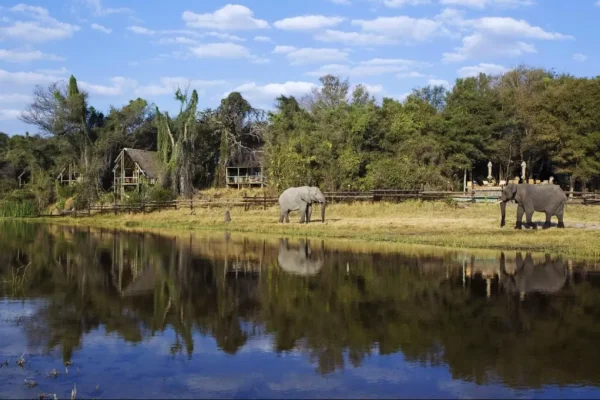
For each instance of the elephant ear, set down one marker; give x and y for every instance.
(304, 195)
(514, 189)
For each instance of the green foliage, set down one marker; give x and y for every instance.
(17, 209)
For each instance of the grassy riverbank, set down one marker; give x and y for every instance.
(430, 223)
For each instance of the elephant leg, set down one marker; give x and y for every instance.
(559, 215)
(302, 213)
(520, 212)
(528, 216)
(547, 224)
(287, 216)
(282, 214)
(308, 213)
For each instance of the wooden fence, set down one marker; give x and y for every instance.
(473, 196)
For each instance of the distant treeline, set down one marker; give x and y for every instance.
(335, 137)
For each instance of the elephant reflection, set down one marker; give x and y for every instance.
(299, 261)
(547, 277)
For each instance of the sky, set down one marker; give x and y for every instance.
(123, 49)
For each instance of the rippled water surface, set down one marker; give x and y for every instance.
(124, 314)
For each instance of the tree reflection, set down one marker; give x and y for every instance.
(525, 321)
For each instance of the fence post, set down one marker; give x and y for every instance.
(115, 203)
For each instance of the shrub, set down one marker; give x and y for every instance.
(18, 209)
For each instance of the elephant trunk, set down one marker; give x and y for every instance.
(323, 204)
(503, 211)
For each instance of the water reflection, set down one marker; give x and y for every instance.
(521, 322)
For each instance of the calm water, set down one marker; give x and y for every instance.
(148, 316)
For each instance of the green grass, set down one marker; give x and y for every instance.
(17, 209)
(428, 223)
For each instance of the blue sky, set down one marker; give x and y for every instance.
(120, 49)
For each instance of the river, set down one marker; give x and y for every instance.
(121, 314)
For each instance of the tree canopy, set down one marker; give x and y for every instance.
(338, 137)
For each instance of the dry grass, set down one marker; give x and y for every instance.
(428, 223)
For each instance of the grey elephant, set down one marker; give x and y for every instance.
(547, 277)
(302, 199)
(298, 261)
(549, 199)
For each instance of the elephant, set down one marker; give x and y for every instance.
(301, 198)
(547, 277)
(550, 199)
(300, 261)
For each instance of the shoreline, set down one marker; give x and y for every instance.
(411, 223)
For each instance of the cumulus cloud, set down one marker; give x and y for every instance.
(40, 27)
(439, 82)
(119, 85)
(402, 28)
(341, 2)
(481, 4)
(220, 50)
(262, 39)
(311, 55)
(478, 45)
(10, 114)
(354, 38)
(308, 22)
(410, 74)
(101, 28)
(143, 31)
(99, 10)
(28, 78)
(14, 98)
(402, 3)
(374, 67)
(580, 57)
(230, 17)
(261, 94)
(17, 56)
(482, 68)
(167, 85)
(510, 27)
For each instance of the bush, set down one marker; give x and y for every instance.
(157, 193)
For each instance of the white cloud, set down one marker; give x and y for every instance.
(411, 74)
(354, 38)
(101, 28)
(7, 115)
(598, 3)
(438, 82)
(14, 98)
(374, 67)
(308, 22)
(482, 68)
(283, 49)
(230, 17)
(402, 27)
(310, 55)
(262, 39)
(341, 2)
(402, 3)
(140, 30)
(99, 10)
(118, 87)
(220, 50)
(510, 27)
(372, 89)
(478, 45)
(168, 86)
(28, 78)
(267, 93)
(580, 57)
(41, 28)
(17, 56)
(177, 40)
(481, 4)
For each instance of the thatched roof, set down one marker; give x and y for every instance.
(246, 159)
(148, 161)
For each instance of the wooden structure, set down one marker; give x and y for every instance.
(69, 175)
(132, 166)
(246, 171)
(24, 177)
